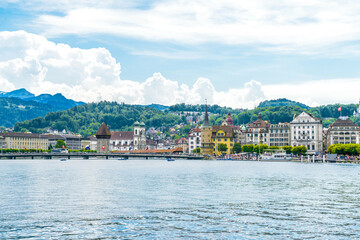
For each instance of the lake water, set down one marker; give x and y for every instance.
(111, 199)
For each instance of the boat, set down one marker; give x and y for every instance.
(121, 158)
(276, 156)
(63, 160)
(170, 160)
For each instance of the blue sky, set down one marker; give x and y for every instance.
(235, 53)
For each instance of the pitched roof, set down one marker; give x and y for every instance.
(227, 129)
(259, 123)
(343, 122)
(24, 135)
(103, 130)
(122, 135)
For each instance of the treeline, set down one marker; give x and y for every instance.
(282, 102)
(86, 119)
(14, 110)
(251, 148)
(346, 149)
(215, 109)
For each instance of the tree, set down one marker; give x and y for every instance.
(299, 150)
(236, 148)
(222, 147)
(60, 143)
(261, 146)
(50, 147)
(197, 150)
(287, 148)
(274, 147)
(248, 148)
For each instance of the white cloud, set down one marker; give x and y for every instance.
(92, 75)
(305, 27)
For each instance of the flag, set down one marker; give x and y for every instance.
(63, 147)
(103, 147)
(197, 119)
(130, 148)
(339, 109)
(147, 148)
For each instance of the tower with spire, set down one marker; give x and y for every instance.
(206, 131)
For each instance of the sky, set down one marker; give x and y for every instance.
(232, 53)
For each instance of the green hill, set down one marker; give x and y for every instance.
(282, 102)
(14, 110)
(86, 119)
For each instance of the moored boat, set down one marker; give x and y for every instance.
(278, 155)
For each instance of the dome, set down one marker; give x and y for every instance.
(229, 120)
(136, 123)
(142, 124)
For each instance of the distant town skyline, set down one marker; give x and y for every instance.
(233, 53)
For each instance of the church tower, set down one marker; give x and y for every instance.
(103, 136)
(206, 131)
(139, 140)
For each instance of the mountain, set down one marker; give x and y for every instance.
(282, 102)
(14, 110)
(21, 105)
(21, 93)
(156, 106)
(57, 100)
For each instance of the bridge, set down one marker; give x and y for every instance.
(85, 155)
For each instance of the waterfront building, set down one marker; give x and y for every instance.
(240, 134)
(182, 143)
(206, 132)
(15, 140)
(52, 139)
(72, 141)
(103, 136)
(279, 134)
(306, 130)
(257, 132)
(194, 139)
(343, 131)
(222, 135)
(93, 143)
(2, 142)
(121, 141)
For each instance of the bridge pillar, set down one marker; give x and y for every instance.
(107, 157)
(32, 157)
(69, 157)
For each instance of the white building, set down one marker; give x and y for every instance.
(343, 131)
(306, 130)
(129, 140)
(257, 132)
(279, 134)
(194, 139)
(121, 141)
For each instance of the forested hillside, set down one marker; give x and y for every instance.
(215, 109)
(86, 119)
(282, 102)
(14, 110)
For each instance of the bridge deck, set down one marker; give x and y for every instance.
(95, 155)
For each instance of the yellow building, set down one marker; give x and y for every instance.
(222, 135)
(25, 141)
(206, 129)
